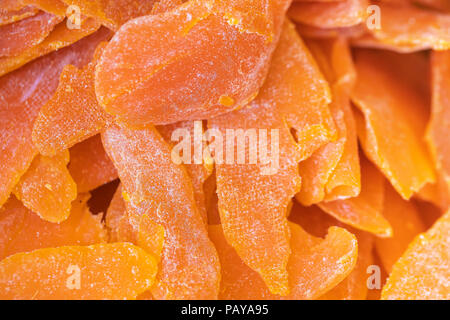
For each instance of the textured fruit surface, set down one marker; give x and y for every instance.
(9, 16)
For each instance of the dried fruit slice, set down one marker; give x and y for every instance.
(443, 5)
(165, 5)
(315, 266)
(364, 212)
(156, 186)
(116, 211)
(406, 224)
(102, 271)
(27, 33)
(53, 6)
(47, 188)
(23, 92)
(60, 37)
(72, 114)
(90, 166)
(11, 16)
(393, 119)
(423, 270)
(155, 87)
(150, 236)
(338, 14)
(23, 230)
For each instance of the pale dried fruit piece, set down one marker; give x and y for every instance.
(153, 184)
(155, 87)
(90, 166)
(22, 230)
(10, 16)
(393, 117)
(406, 224)
(23, 92)
(423, 270)
(47, 188)
(105, 271)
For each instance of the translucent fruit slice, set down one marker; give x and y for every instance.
(23, 92)
(23, 230)
(153, 184)
(423, 270)
(392, 121)
(315, 266)
(406, 224)
(11, 16)
(116, 211)
(90, 166)
(102, 271)
(47, 188)
(155, 87)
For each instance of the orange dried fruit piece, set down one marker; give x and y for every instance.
(153, 184)
(60, 37)
(392, 118)
(10, 16)
(24, 231)
(315, 266)
(423, 270)
(443, 5)
(365, 211)
(101, 271)
(23, 93)
(153, 87)
(47, 188)
(406, 224)
(165, 5)
(116, 211)
(150, 236)
(90, 166)
(337, 14)
(53, 6)
(22, 35)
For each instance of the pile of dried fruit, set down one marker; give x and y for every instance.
(350, 97)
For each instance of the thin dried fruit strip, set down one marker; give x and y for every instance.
(155, 87)
(116, 211)
(153, 184)
(10, 16)
(22, 93)
(60, 37)
(316, 265)
(90, 166)
(101, 271)
(364, 212)
(423, 270)
(23, 231)
(47, 188)
(319, 33)
(393, 117)
(22, 35)
(331, 14)
(406, 224)
(55, 7)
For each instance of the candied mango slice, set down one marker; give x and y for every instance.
(315, 265)
(153, 184)
(105, 271)
(90, 166)
(155, 87)
(10, 16)
(338, 14)
(23, 230)
(47, 188)
(423, 270)
(393, 117)
(23, 92)
(364, 212)
(406, 224)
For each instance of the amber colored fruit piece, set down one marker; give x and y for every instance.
(443, 5)
(90, 166)
(319, 33)
(23, 92)
(116, 211)
(105, 271)
(60, 37)
(364, 212)
(23, 230)
(190, 135)
(55, 7)
(393, 117)
(10, 16)
(155, 87)
(315, 265)
(113, 13)
(47, 188)
(22, 35)
(150, 236)
(331, 14)
(406, 224)
(165, 5)
(423, 270)
(153, 184)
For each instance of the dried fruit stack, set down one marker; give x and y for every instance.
(352, 97)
